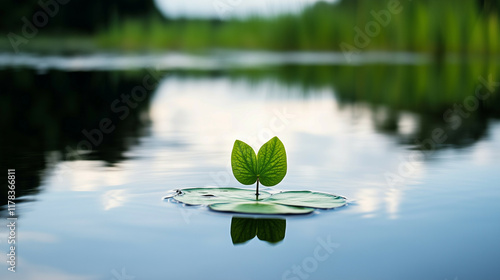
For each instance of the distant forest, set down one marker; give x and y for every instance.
(89, 16)
(82, 16)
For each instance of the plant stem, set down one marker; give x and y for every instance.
(257, 191)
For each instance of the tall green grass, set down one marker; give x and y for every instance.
(422, 26)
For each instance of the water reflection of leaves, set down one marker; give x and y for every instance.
(269, 230)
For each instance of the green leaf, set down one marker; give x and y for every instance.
(269, 230)
(271, 162)
(244, 163)
(207, 196)
(243, 229)
(259, 208)
(307, 199)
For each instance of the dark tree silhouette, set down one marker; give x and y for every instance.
(75, 15)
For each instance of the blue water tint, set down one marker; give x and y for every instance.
(98, 220)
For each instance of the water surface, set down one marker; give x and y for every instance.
(347, 129)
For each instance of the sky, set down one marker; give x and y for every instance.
(230, 8)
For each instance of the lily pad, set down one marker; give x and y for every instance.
(308, 199)
(245, 201)
(259, 207)
(207, 196)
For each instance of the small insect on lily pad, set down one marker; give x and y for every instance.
(207, 196)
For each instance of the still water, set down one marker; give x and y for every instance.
(348, 130)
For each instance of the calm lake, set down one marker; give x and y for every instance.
(97, 141)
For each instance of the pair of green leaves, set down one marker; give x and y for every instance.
(268, 166)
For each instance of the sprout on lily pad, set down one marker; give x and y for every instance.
(268, 168)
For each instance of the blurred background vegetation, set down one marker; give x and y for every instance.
(45, 111)
(463, 27)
